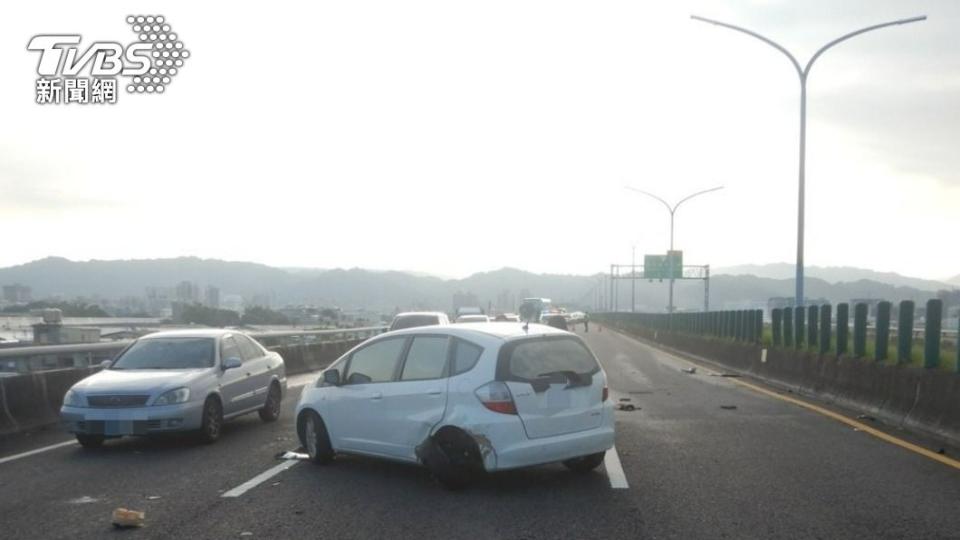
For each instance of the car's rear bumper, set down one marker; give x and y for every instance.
(529, 452)
(504, 443)
(133, 420)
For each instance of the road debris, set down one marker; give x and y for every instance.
(866, 417)
(941, 451)
(290, 455)
(628, 407)
(246, 533)
(86, 499)
(728, 407)
(153, 497)
(691, 370)
(125, 519)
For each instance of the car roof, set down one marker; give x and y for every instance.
(502, 331)
(193, 332)
(420, 313)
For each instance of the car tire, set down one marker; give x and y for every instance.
(90, 441)
(452, 458)
(271, 409)
(212, 423)
(585, 463)
(316, 439)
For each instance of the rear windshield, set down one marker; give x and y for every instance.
(167, 353)
(413, 321)
(542, 357)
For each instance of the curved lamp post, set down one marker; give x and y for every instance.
(673, 210)
(804, 73)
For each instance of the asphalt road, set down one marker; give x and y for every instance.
(765, 469)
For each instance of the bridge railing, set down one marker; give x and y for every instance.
(16, 360)
(823, 330)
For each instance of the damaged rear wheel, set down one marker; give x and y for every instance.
(453, 458)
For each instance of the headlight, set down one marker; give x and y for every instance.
(177, 395)
(73, 399)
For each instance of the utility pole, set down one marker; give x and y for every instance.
(804, 73)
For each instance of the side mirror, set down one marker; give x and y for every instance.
(105, 364)
(232, 363)
(332, 377)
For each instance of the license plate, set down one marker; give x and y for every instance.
(117, 427)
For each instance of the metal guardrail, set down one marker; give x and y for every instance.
(45, 357)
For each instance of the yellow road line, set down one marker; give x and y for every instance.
(859, 425)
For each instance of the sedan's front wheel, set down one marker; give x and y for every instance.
(212, 420)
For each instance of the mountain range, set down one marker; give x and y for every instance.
(388, 290)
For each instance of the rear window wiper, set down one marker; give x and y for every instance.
(573, 378)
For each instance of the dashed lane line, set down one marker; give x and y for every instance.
(36, 451)
(611, 462)
(259, 479)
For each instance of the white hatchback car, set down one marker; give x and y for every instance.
(461, 400)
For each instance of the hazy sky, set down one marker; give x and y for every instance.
(451, 136)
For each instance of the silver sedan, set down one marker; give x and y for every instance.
(185, 380)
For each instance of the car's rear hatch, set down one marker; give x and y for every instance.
(556, 383)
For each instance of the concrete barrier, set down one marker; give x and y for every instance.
(922, 400)
(32, 400)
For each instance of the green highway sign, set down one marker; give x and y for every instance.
(660, 266)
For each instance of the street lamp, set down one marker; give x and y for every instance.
(673, 210)
(804, 73)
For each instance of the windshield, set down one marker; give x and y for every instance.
(168, 353)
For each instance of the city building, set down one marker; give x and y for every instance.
(17, 294)
(211, 297)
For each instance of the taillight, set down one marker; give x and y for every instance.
(606, 394)
(496, 397)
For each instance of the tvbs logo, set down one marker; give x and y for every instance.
(148, 64)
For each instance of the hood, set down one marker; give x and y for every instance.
(138, 381)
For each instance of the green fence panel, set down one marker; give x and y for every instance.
(843, 328)
(905, 332)
(826, 328)
(931, 333)
(776, 326)
(859, 330)
(788, 327)
(883, 331)
(813, 318)
(798, 326)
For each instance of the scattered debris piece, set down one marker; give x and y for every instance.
(291, 455)
(629, 407)
(866, 417)
(941, 451)
(246, 533)
(728, 407)
(733, 375)
(275, 484)
(640, 392)
(856, 429)
(624, 399)
(691, 371)
(153, 497)
(124, 519)
(82, 500)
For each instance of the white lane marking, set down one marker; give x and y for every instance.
(36, 451)
(260, 478)
(611, 462)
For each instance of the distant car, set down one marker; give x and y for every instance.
(461, 400)
(556, 320)
(185, 380)
(414, 319)
(473, 319)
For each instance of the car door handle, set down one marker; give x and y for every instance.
(434, 392)
(377, 395)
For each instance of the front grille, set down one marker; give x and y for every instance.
(117, 401)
